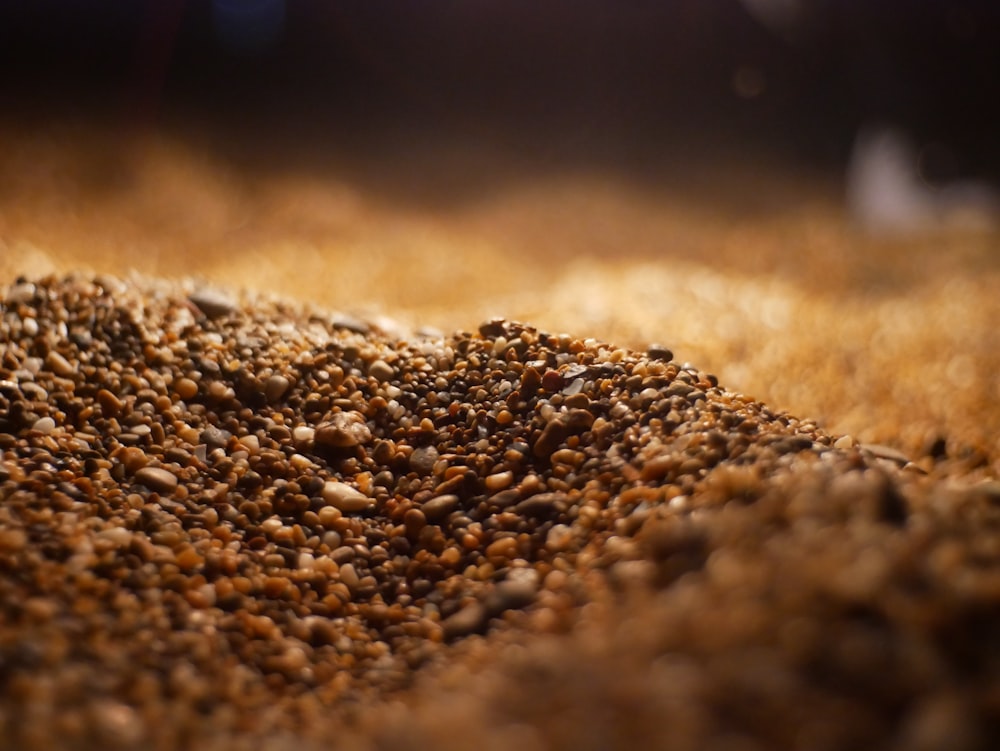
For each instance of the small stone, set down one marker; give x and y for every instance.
(499, 481)
(44, 425)
(468, 620)
(678, 388)
(186, 388)
(510, 594)
(381, 371)
(212, 303)
(885, 452)
(659, 352)
(542, 504)
(59, 364)
(12, 540)
(844, 442)
(157, 479)
(349, 575)
(20, 293)
(551, 437)
(343, 430)
(215, 438)
(111, 405)
(439, 507)
(423, 459)
(344, 497)
(303, 435)
(275, 387)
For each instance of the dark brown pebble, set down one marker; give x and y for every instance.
(551, 437)
(439, 507)
(111, 405)
(659, 352)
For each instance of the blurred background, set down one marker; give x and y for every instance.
(798, 195)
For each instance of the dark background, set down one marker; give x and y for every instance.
(624, 81)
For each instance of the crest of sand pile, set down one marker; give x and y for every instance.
(223, 520)
(891, 341)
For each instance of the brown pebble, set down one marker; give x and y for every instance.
(439, 507)
(343, 430)
(551, 437)
(59, 364)
(186, 388)
(157, 478)
(468, 620)
(111, 405)
(275, 387)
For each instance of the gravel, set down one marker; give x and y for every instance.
(225, 524)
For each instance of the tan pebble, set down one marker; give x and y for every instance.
(251, 443)
(117, 535)
(499, 481)
(349, 575)
(300, 462)
(303, 435)
(343, 430)
(134, 459)
(558, 538)
(212, 303)
(156, 478)
(344, 497)
(381, 370)
(844, 442)
(59, 364)
(275, 387)
(44, 425)
(328, 515)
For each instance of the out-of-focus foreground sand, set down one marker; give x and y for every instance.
(747, 269)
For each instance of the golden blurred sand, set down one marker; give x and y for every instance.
(747, 270)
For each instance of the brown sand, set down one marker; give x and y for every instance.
(892, 341)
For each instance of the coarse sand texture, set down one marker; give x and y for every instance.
(244, 523)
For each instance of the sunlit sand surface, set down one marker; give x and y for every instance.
(745, 267)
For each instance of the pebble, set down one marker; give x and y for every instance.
(659, 352)
(59, 364)
(186, 388)
(44, 425)
(213, 303)
(345, 498)
(550, 439)
(275, 387)
(157, 479)
(343, 430)
(439, 507)
(381, 370)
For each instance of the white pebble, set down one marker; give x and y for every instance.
(342, 496)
